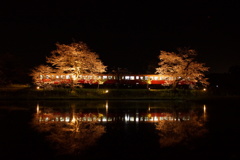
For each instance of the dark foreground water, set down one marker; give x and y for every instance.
(119, 130)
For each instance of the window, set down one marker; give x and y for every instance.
(155, 78)
(127, 77)
(67, 76)
(137, 77)
(57, 76)
(131, 77)
(104, 77)
(109, 77)
(146, 77)
(141, 77)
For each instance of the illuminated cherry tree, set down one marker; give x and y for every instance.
(182, 66)
(39, 71)
(76, 59)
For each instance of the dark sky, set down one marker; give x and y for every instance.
(126, 34)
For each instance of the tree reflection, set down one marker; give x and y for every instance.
(176, 132)
(71, 137)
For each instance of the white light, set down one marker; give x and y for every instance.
(137, 119)
(126, 117)
(131, 119)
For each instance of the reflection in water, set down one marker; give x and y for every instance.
(47, 115)
(204, 112)
(77, 128)
(67, 133)
(179, 131)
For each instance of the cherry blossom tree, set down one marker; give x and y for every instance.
(76, 59)
(39, 71)
(182, 66)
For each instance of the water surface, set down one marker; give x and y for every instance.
(119, 130)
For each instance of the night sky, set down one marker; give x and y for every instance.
(125, 34)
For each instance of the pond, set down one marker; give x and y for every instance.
(111, 129)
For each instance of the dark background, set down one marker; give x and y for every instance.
(126, 34)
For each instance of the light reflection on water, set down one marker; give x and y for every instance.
(119, 130)
(101, 114)
(74, 127)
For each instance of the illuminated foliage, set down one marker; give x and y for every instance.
(76, 59)
(173, 133)
(73, 59)
(70, 138)
(40, 70)
(182, 66)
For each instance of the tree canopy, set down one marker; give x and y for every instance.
(40, 70)
(182, 66)
(74, 59)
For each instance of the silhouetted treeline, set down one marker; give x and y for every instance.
(225, 83)
(13, 70)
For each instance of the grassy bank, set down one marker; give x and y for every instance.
(28, 93)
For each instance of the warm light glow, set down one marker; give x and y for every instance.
(74, 77)
(38, 87)
(149, 115)
(106, 106)
(100, 115)
(37, 108)
(73, 120)
(106, 91)
(204, 89)
(204, 112)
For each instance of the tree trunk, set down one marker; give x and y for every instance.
(175, 84)
(98, 85)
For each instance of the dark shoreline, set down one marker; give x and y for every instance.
(114, 94)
